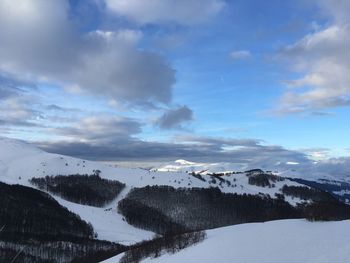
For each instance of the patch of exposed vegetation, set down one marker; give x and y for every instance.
(259, 178)
(198, 176)
(170, 210)
(158, 246)
(82, 189)
(307, 193)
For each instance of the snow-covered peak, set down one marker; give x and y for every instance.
(189, 166)
(184, 162)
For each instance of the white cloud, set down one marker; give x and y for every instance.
(183, 12)
(324, 60)
(39, 42)
(17, 111)
(240, 54)
(317, 154)
(101, 129)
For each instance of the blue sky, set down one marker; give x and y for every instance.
(177, 79)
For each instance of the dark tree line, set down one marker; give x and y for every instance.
(166, 244)
(44, 231)
(83, 189)
(143, 216)
(327, 211)
(262, 179)
(307, 193)
(323, 206)
(330, 186)
(25, 211)
(198, 208)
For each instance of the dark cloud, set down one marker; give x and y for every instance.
(247, 154)
(111, 138)
(174, 118)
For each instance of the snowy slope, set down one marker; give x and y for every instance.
(284, 241)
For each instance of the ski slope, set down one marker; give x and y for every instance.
(283, 241)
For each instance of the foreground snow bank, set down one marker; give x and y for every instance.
(287, 241)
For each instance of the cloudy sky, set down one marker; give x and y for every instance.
(244, 81)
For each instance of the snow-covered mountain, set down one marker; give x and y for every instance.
(20, 162)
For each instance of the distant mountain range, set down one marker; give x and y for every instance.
(316, 171)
